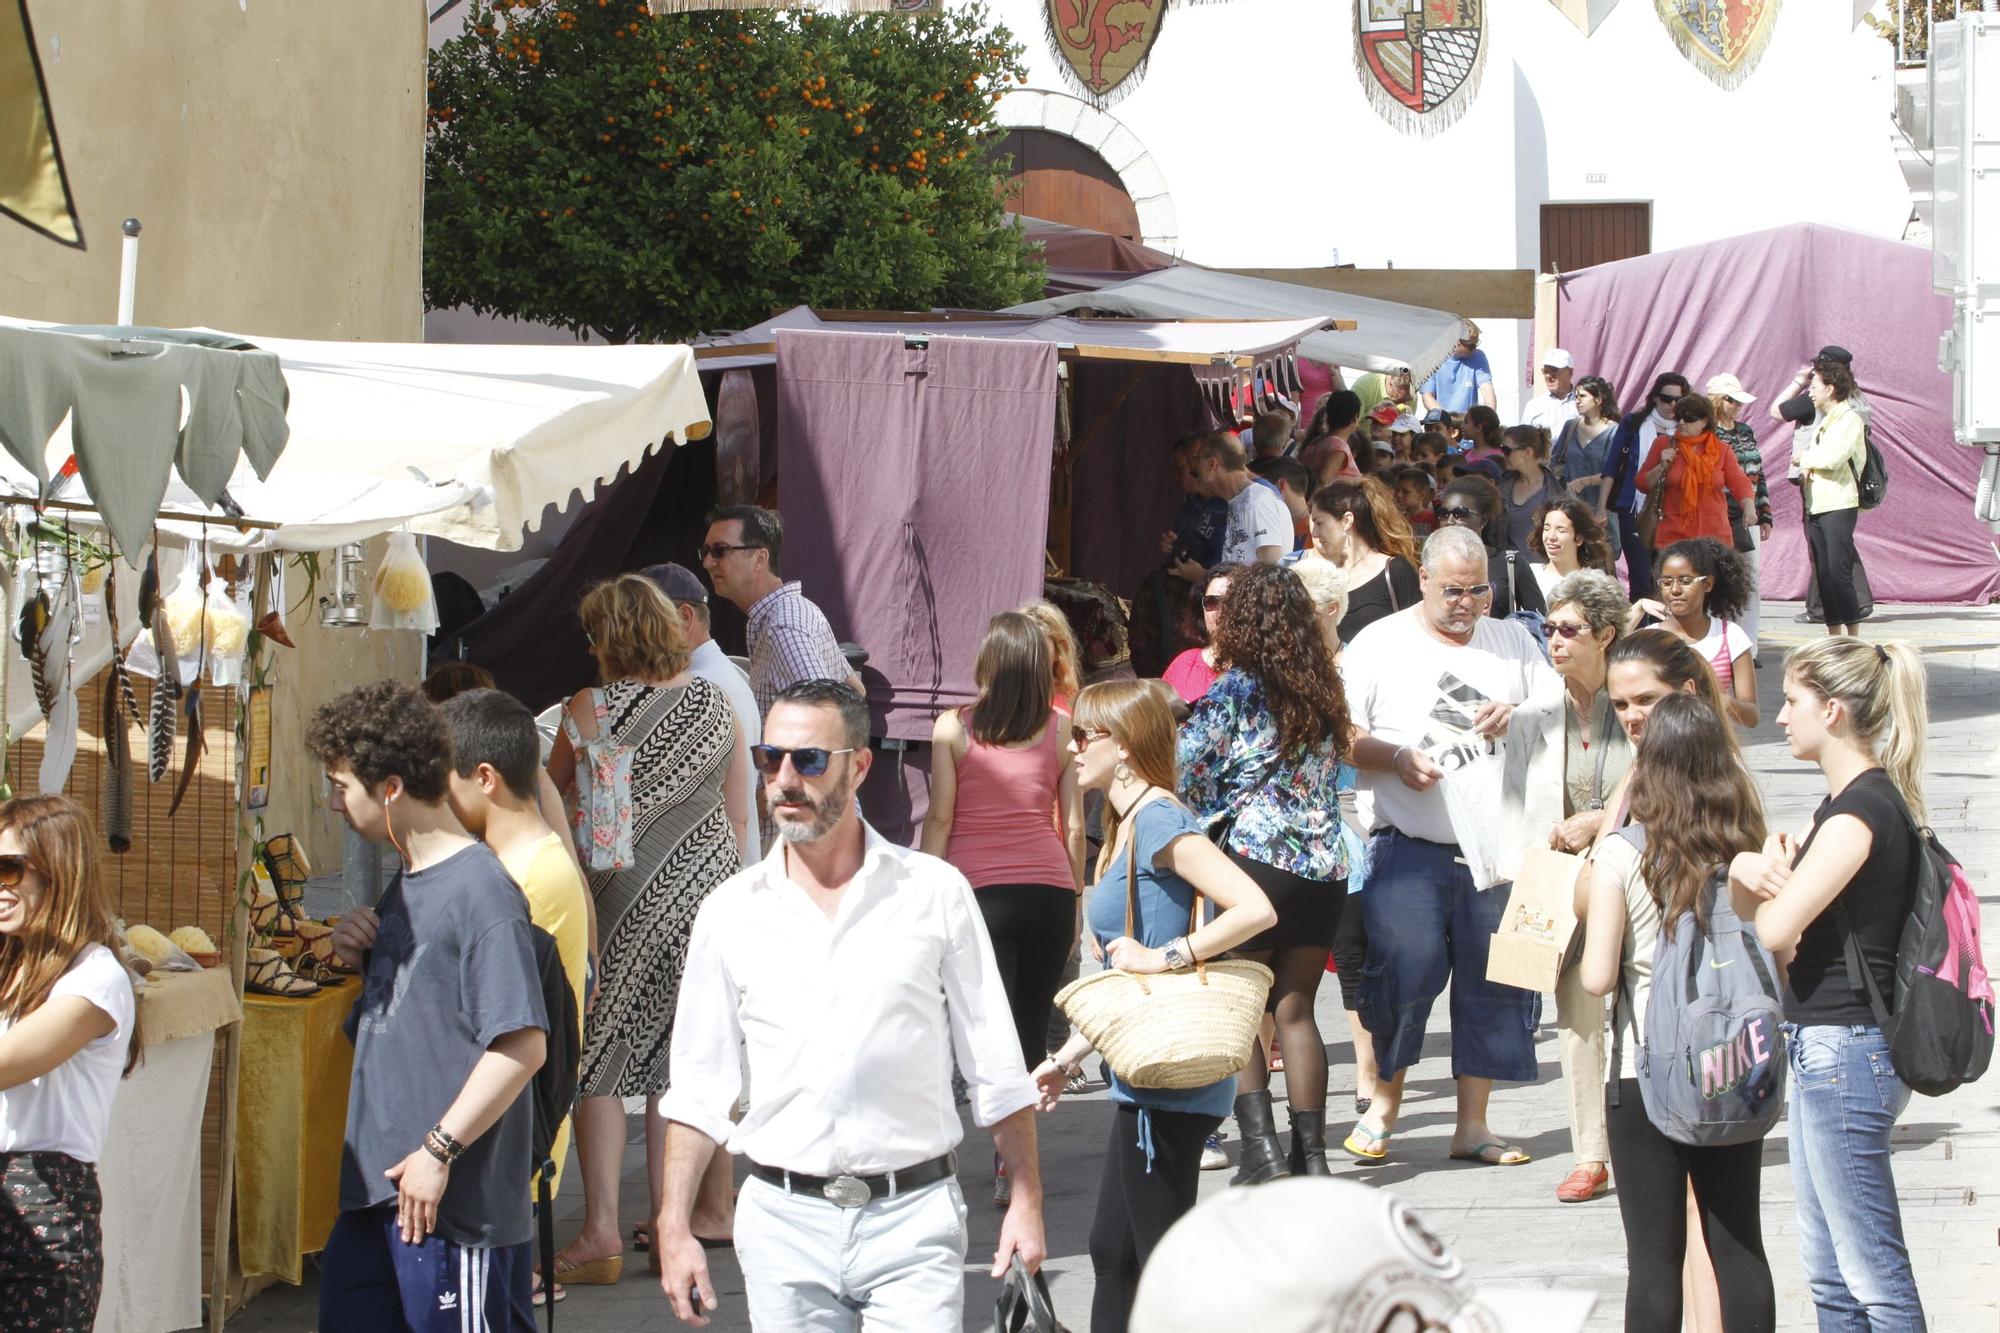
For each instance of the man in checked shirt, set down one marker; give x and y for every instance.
(789, 638)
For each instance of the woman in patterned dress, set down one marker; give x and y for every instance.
(689, 804)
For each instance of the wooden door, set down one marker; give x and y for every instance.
(1577, 236)
(1057, 179)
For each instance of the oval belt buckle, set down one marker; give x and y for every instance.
(847, 1192)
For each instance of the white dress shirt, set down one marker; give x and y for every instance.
(849, 1023)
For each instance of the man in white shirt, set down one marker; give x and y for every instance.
(1260, 527)
(707, 660)
(1427, 919)
(846, 973)
(1555, 406)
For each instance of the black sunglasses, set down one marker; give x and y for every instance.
(1457, 514)
(1669, 397)
(809, 760)
(1212, 601)
(717, 550)
(14, 869)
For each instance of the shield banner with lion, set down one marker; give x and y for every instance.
(1420, 60)
(1723, 39)
(1103, 43)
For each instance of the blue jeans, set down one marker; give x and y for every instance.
(1845, 1100)
(1427, 925)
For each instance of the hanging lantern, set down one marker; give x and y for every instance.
(342, 607)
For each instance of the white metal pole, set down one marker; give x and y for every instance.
(128, 271)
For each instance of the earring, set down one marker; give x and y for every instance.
(1123, 772)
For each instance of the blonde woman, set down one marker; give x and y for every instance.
(1123, 742)
(1063, 647)
(689, 811)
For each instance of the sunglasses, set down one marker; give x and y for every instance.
(717, 550)
(14, 869)
(1455, 593)
(1081, 737)
(1670, 397)
(1567, 631)
(809, 760)
(1457, 514)
(1212, 601)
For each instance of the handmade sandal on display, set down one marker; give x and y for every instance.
(267, 973)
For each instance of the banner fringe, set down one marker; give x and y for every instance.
(1419, 124)
(1728, 79)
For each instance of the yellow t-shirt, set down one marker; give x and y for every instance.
(555, 893)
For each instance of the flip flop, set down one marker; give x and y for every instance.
(562, 1293)
(1508, 1156)
(1373, 1150)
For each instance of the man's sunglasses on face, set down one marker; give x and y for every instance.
(717, 550)
(809, 760)
(1454, 592)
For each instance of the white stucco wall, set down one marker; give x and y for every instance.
(1253, 115)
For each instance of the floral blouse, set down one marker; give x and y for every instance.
(1287, 810)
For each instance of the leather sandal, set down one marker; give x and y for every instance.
(266, 972)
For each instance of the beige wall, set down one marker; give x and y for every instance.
(272, 148)
(274, 151)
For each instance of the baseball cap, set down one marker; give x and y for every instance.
(1435, 415)
(1385, 413)
(1558, 358)
(1329, 1256)
(678, 582)
(1835, 352)
(1727, 385)
(1404, 425)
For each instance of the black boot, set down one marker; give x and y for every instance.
(1263, 1157)
(1309, 1144)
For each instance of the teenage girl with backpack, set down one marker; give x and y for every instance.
(1698, 807)
(1857, 710)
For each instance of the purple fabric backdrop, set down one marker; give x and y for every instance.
(915, 494)
(1760, 305)
(1123, 491)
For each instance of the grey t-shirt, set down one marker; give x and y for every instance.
(452, 971)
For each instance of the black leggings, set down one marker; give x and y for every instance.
(1032, 927)
(1136, 1206)
(1350, 951)
(1653, 1172)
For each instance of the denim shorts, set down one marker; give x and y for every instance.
(1427, 925)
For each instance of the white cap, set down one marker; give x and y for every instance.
(1405, 424)
(1558, 358)
(1322, 1255)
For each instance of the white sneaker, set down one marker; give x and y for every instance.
(1212, 1156)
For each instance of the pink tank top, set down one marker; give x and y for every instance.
(1003, 824)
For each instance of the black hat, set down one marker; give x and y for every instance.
(678, 582)
(1835, 352)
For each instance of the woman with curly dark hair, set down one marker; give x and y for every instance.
(1704, 587)
(1260, 760)
(1564, 537)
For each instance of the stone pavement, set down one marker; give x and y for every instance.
(1504, 1221)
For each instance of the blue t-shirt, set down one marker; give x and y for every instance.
(1165, 899)
(1455, 384)
(1198, 527)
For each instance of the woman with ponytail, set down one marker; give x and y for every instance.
(67, 1033)
(1357, 524)
(1828, 906)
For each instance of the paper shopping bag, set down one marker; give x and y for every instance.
(1540, 924)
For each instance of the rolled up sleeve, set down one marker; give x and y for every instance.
(982, 1025)
(707, 1040)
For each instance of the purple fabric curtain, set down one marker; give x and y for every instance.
(914, 485)
(1123, 490)
(1760, 306)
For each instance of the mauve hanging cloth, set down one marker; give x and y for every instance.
(914, 487)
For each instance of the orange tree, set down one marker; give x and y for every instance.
(595, 167)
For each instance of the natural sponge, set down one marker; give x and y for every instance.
(194, 939)
(149, 943)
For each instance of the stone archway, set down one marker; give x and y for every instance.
(1103, 141)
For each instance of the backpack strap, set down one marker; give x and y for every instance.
(545, 1228)
(1510, 583)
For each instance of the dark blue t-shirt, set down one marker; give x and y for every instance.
(452, 971)
(1198, 528)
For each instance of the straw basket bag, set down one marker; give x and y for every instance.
(1169, 1029)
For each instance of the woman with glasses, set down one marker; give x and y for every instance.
(1697, 473)
(67, 1034)
(1123, 743)
(1635, 434)
(1703, 588)
(1358, 525)
(1195, 669)
(1471, 501)
(1565, 755)
(1565, 537)
(688, 805)
(1004, 809)
(1526, 484)
(1260, 759)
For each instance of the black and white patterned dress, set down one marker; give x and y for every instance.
(682, 847)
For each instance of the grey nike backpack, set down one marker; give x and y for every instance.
(1712, 1070)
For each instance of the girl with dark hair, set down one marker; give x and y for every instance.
(1527, 484)
(1581, 454)
(1693, 808)
(1698, 472)
(1473, 502)
(67, 1033)
(1260, 760)
(1195, 669)
(1704, 587)
(1357, 525)
(1830, 458)
(1564, 537)
(1830, 906)
(1647, 665)
(1482, 433)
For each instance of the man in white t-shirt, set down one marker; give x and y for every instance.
(1406, 676)
(1555, 406)
(1260, 527)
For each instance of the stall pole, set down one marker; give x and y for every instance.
(128, 271)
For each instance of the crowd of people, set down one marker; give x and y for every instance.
(1346, 626)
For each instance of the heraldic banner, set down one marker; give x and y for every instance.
(1104, 44)
(1420, 60)
(1724, 39)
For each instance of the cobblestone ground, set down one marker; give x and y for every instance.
(1505, 1222)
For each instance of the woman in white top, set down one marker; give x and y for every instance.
(1564, 537)
(66, 1037)
(1704, 587)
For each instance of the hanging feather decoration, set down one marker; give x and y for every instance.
(117, 790)
(166, 693)
(35, 616)
(149, 586)
(121, 678)
(197, 743)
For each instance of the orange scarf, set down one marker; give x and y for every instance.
(1701, 469)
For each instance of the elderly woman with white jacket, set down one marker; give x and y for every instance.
(1566, 753)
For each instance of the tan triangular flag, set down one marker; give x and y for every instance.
(1585, 14)
(33, 188)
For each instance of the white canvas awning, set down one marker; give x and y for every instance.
(1386, 334)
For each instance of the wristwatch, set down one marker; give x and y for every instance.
(1180, 956)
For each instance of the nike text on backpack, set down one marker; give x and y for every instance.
(1712, 1069)
(1940, 1032)
(552, 1094)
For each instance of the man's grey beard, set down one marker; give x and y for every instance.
(825, 813)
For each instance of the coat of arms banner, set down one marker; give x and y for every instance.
(1420, 60)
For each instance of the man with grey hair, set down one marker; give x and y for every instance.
(1410, 677)
(845, 973)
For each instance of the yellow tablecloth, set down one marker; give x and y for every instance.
(291, 1106)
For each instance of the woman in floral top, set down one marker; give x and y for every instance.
(1260, 758)
(1729, 396)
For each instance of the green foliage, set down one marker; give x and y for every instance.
(644, 178)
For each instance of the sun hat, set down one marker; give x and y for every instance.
(1727, 385)
(1328, 1255)
(1559, 359)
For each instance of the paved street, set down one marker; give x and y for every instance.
(1505, 1222)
